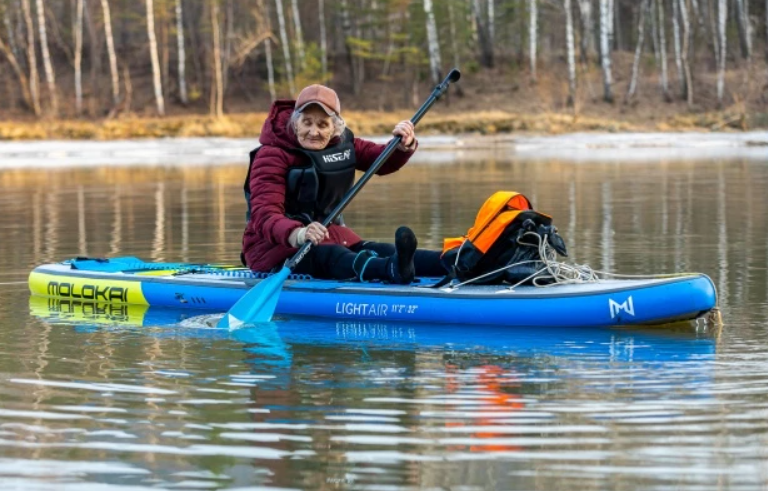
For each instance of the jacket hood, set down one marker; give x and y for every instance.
(275, 131)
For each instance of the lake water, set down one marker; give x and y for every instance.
(326, 405)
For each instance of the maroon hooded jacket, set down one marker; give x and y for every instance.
(265, 241)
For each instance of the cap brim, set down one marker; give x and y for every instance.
(327, 109)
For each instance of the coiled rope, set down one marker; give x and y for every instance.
(555, 272)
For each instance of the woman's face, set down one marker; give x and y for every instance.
(314, 128)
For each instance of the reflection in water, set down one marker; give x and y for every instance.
(89, 398)
(158, 243)
(117, 222)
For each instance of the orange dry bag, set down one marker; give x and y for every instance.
(495, 240)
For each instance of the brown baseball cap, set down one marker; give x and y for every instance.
(320, 95)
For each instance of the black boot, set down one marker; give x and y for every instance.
(400, 269)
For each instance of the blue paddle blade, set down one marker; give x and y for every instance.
(258, 304)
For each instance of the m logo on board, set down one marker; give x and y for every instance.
(617, 308)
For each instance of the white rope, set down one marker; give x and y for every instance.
(557, 272)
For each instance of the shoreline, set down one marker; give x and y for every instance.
(591, 146)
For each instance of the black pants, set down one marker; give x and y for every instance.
(333, 261)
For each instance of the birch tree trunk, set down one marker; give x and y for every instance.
(217, 99)
(299, 34)
(686, 50)
(571, 54)
(654, 34)
(676, 36)
(160, 102)
(606, 19)
(587, 42)
(638, 51)
(532, 36)
(491, 23)
(34, 78)
(433, 46)
(78, 29)
(616, 34)
(270, 68)
(323, 40)
(742, 22)
(50, 75)
(111, 52)
(722, 20)
(181, 54)
(286, 47)
(664, 79)
(264, 9)
(611, 25)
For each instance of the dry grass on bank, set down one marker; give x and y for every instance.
(368, 123)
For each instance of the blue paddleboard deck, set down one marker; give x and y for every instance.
(218, 287)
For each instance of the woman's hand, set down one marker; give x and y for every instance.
(314, 232)
(406, 130)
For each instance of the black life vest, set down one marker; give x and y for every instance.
(313, 190)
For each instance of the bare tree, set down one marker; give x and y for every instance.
(78, 30)
(452, 27)
(12, 45)
(111, 52)
(571, 53)
(22, 77)
(483, 38)
(217, 93)
(741, 9)
(663, 78)
(34, 79)
(491, 22)
(50, 75)
(722, 19)
(686, 49)
(157, 82)
(587, 44)
(181, 53)
(264, 23)
(323, 39)
(605, 50)
(433, 45)
(638, 50)
(299, 34)
(533, 17)
(346, 31)
(286, 47)
(678, 48)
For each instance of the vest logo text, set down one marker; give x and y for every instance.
(337, 157)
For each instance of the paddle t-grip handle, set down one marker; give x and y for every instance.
(453, 76)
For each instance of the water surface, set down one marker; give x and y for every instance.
(334, 405)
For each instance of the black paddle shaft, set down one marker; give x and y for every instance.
(438, 91)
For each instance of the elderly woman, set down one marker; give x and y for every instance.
(305, 165)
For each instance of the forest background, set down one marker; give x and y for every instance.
(108, 69)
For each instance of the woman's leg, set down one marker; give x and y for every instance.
(336, 262)
(426, 262)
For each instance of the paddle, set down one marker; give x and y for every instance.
(259, 303)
